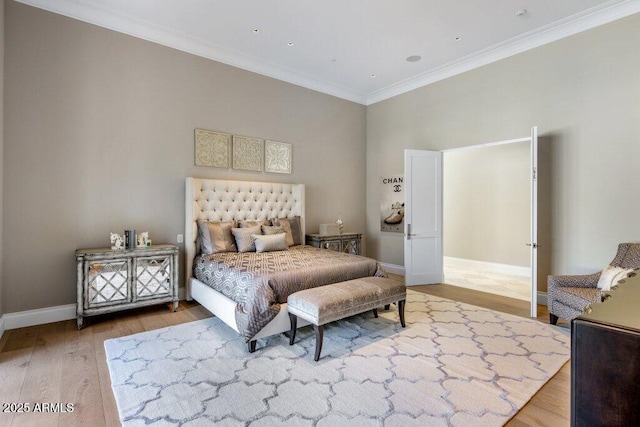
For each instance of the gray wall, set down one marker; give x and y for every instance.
(486, 204)
(1, 138)
(99, 138)
(583, 94)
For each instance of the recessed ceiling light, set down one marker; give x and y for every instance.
(373, 76)
(256, 31)
(520, 13)
(290, 44)
(414, 58)
(458, 39)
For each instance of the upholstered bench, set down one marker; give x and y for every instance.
(325, 304)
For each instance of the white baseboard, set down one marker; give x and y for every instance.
(1, 326)
(542, 298)
(492, 267)
(393, 268)
(39, 316)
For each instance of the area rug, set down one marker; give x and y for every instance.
(454, 364)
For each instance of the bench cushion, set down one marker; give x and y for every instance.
(328, 303)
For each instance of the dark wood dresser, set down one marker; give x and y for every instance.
(605, 360)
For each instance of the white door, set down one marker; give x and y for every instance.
(534, 222)
(423, 217)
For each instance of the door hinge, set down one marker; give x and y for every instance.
(535, 174)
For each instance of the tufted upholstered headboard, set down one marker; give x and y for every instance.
(222, 200)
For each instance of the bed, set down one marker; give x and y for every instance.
(248, 291)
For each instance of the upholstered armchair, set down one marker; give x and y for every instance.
(568, 296)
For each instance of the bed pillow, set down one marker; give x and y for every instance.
(612, 275)
(216, 237)
(243, 223)
(274, 229)
(292, 228)
(244, 238)
(271, 242)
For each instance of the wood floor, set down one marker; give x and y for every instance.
(55, 363)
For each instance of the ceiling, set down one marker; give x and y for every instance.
(352, 49)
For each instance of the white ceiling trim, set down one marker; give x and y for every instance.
(112, 20)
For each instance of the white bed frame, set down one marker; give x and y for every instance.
(223, 200)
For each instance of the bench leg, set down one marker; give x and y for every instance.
(375, 313)
(319, 331)
(401, 311)
(293, 319)
(252, 346)
(387, 306)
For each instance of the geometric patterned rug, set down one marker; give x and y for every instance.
(454, 364)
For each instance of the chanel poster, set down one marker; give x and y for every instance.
(392, 204)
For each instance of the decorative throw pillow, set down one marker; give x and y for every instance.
(216, 237)
(292, 228)
(266, 229)
(244, 238)
(612, 275)
(243, 223)
(271, 242)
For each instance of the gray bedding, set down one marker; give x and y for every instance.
(260, 282)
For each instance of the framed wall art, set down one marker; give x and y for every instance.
(278, 157)
(248, 153)
(212, 148)
(392, 204)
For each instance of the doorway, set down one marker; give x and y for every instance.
(423, 179)
(486, 219)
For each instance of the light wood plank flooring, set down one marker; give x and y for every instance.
(57, 363)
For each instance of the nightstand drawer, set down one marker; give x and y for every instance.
(346, 242)
(107, 283)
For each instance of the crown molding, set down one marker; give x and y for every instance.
(106, 18)
(604, 14)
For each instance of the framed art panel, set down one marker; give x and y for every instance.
(248, 153)
(278, 157)
(212, 148)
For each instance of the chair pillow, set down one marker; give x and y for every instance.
(271, 242)
(216, 237)
(244, 238)
(612, 275)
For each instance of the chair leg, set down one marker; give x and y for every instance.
(292, 332)
(319, 334)
(387, 306)
(375, 313)
(252, 346)
(553, 319)
(401, 312)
